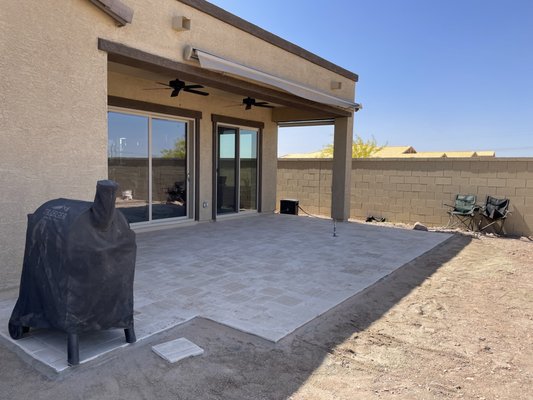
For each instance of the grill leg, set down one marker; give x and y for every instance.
(130, 335)
(73, 349)
(16, 331)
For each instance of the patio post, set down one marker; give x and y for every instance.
(342, 169)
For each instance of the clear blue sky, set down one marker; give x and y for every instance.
(435, 75)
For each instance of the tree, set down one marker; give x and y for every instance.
(360, 148)
(179, 150)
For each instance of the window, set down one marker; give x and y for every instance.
(148, 158)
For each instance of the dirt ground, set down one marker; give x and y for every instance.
(455, 323)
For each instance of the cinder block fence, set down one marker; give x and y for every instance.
(411, 190)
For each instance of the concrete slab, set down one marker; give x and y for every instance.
(266, 275)
(177, 350)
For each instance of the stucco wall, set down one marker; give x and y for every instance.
(53, 131)
(54, 88)
(414, 190)
(151, 31)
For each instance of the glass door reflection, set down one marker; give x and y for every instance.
(128, 164)
(147, 157)
(169, 169)
(227, 171)
(237, 170)
(248, 170)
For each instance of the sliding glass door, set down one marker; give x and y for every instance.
(227, 170)
(247, 170)
(169, 169)
(148, 158)
(237, 170)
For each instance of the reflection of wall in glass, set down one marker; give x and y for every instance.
(226, 201)
(169, 168)
(128, 162)
(248, 169)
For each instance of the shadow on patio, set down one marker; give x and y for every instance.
(266, 275)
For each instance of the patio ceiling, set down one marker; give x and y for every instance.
(153, 64)
(160, 77)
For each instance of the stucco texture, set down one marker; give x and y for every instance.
(53, 96)
(54, 89)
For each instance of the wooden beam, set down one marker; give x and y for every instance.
(223, 119)
(122, 54)
(152, 107)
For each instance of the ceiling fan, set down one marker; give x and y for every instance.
(177, 86)
(250, 102)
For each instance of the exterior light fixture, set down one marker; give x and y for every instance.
(336, 85)
(181, 23)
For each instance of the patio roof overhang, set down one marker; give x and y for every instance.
(220, 64)
(131, 57)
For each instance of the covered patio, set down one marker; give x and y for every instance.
(265, 274)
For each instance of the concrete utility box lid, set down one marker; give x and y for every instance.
(177, 350)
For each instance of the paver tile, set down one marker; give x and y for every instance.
(242, 273)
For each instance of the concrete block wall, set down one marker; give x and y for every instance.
(411, 190)
(309, 181)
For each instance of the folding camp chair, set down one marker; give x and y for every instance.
(495, 211)
(463, 211)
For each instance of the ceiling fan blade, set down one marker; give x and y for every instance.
(264, 105)
(194, 87)
(175, 92)
(196, 92)
(248, 107)
(176, 83)
(164, 84)
(158, 88)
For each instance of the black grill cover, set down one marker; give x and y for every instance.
(79, 264)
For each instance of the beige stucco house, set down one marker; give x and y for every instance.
(178, 101)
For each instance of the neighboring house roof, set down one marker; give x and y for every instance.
(314, 154)
(457, 154)
(405, 152)
(488, 153)
(424, 154)
(400, 152)
(393, 151)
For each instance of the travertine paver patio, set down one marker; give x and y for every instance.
(265, 274)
